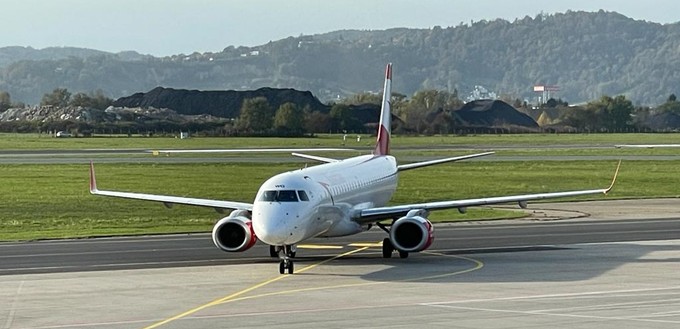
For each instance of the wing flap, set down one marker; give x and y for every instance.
(167, 200)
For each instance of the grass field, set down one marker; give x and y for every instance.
(52, 201)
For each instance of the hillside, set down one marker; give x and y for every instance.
(585, 54)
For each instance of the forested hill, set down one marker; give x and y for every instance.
(586, 54)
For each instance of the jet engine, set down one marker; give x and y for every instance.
(412, 233)
(234, 232)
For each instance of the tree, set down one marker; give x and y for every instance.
(614, 113)
(317, 122)
(256, 115)
(59, 97)
(363, 98)
(443, 123)
(5, 101)
(580, 118)
(95, 100)
(290, 119)
(343, 120)
(425, 102)
(81, 99)
(671, 105)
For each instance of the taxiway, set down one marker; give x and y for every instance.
(603, 268)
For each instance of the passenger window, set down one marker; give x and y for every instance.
(303, 195)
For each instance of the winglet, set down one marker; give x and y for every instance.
(616, 174)
(382, 146)
(93, 179)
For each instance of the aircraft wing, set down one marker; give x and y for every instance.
(167, 200)
(376, 214)
(438, 161)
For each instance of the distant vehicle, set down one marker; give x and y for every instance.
(63, 134)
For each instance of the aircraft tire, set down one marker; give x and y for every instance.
(387, 248)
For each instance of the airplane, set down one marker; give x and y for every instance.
(336, 198)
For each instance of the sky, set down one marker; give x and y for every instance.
(170, 27)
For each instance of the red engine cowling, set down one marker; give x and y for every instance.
(235, 232)
(412, 234)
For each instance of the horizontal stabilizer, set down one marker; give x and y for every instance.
(247, 150)
(438, 161)
(315, 158)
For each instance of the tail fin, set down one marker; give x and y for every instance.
(382, 146)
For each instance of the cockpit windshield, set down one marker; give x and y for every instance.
(279, 196)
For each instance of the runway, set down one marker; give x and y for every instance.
(611, 269)
(145, 156)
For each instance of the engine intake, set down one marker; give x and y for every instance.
(235, 232)
(412, 234)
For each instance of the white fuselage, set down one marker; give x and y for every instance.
(321, 200)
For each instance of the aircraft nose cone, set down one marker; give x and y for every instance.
(275, 229)
(272, 234)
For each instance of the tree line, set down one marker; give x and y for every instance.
(426, 112)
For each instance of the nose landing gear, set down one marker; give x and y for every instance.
(286, 264)
(285, 253)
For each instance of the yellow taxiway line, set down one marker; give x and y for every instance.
(364, 246)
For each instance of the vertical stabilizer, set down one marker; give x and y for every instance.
(382, 146)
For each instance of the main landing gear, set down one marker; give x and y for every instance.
(285, 253)
(388, 247)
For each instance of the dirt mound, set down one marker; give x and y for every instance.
(492, 113)
(223, 103)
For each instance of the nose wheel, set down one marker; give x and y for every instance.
(286, 265)
(285, 253)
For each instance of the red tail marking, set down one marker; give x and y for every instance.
(382, 146)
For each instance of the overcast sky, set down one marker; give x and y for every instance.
(167, 27)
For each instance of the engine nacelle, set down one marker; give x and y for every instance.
(234, 232)
(412, 234)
